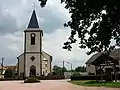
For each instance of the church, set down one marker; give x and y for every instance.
(33, 61)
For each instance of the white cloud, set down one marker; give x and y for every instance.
(53, 43)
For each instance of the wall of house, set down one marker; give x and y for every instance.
(21, 64)
(90, 69)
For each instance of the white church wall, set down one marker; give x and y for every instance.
(29, 63)
(46, 59)
(21, 64)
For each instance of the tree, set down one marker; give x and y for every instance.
(8, 73)
(96, 22)
(80, 69)
(58, 70)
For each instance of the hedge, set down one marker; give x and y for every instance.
(9, 79)
(51, 77)
(94, 77)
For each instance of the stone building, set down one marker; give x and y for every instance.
(33, 61)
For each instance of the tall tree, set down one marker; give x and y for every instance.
(58, 70)
(80, 69)
(96, 22)
(9, 73)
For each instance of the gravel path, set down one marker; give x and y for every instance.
(47, 85)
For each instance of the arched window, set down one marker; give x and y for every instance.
(33, 39)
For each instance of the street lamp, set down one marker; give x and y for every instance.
(70, 64)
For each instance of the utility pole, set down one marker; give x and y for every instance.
(63, 68)
(2, 66)
(71, 67)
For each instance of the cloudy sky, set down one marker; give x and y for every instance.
(14, 18)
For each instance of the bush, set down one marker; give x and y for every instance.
(31, 80)
(76, 74)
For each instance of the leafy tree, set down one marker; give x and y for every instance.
(80, 69)
(58, 70)
(9, 73)
(96, 22)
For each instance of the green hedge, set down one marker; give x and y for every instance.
(83, 77)
(51, 77)
(94, 77)
(9, 79)
(31, 80)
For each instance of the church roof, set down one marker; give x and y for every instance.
(33, 21)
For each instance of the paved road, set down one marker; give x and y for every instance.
(46, 85)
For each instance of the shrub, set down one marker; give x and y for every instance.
(76, 74)
(31, 80)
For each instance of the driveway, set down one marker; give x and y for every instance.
(47, 85)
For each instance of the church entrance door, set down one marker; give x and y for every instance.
(32, 70)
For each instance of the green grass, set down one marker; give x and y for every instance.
(98, 84)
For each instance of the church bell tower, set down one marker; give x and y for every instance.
(33, 48)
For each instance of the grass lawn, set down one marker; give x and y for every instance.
(94, 83)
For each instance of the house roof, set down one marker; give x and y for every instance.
(33, 21)
(46, 54)
(115, 54)
(93, 58)
(10, 67)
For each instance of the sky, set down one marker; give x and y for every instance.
(14, 19)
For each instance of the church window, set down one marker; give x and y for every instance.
(33, 39)
(32, 58)
(45, 65)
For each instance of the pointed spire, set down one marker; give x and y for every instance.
(33, 21)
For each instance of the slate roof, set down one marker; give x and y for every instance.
(93, 58)
(114, 54)
(33, 21)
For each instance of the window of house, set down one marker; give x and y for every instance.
(33, 39)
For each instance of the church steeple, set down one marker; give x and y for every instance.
(33, 21)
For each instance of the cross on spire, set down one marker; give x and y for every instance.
(33, 4)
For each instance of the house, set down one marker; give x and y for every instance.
(114, 57)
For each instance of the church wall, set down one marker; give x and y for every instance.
(21, 64)
(36, 47)
(48, 62)
(45, 69)
(29, 63)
